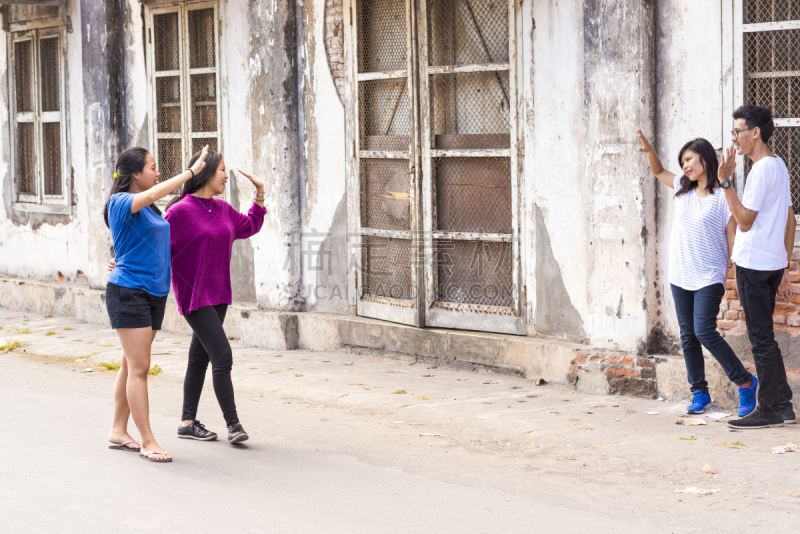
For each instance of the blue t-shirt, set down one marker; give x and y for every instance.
(141, 241)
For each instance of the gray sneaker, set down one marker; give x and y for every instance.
(788, 415)
(236, 433)
(196, 430)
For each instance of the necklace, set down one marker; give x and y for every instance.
(204, 206)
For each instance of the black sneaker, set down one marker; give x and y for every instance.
(788, 415)
(196, 430)
(236, 433)
(758, 419)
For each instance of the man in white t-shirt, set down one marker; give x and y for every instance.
(762, 250)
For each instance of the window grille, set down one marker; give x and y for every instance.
(185, 86)
(38, 124)
(771, 41)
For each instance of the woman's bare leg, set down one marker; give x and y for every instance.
(119, 428)
(136, 345)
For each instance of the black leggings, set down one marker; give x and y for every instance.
(209, 342)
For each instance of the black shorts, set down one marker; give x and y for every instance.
(134, 308)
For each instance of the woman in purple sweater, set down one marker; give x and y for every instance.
(202, 232)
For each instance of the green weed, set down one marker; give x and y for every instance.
(113, 366)
(105, 344)
(10, 345)
(400, 392)
(50, 333)
(690, 438)
(731, 444)
(155, 370)
(68, 328)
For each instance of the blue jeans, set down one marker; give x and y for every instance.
(697, 316)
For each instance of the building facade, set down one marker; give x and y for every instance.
(456, 164)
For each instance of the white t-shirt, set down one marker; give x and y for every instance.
(698, 246)
(767, 191)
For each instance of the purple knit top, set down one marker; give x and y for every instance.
(202, 232)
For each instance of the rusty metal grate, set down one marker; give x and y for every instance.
(50, 74)
(382, 37)
(204, 102)
(758, 11)
(169, 158)
(385, 194)
(467, 32)
(51, 149)
(199, 142)
(386, 264)
(166, 41)
(202, 49)
(469, 104)
(26, 170)
(473, 194)
(786, 143)
(772, 53)
(168, 103)
(780, 94)
(474, 272)
(23, 75)
(385, 115)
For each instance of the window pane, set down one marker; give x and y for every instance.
(385, 114)
(51, 148)
(204, 102)
(466, 32)
(165, 37)
(385, 194)
(381, 35)
(757, 11)
(26, 178)
(199, 142)
(387, 264)
(170, 160)
(168, 103)
(474, 272)
(202, 52)
(23, 75)
(50, 75)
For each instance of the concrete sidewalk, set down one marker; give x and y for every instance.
(345, 443)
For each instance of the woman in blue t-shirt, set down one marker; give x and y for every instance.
(137, 288)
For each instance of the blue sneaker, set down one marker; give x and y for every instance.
(747, 398)
(699, 402)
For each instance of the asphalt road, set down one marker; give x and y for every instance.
(338, 444)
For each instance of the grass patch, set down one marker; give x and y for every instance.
(16, 330)
(10, 345)
(68, 328)
(732, 444)
(400, 392)
(50, 333)
(105, 344)
(113, 366)
(690, 438)
(298, 375)
(423, 397)
(155, 370)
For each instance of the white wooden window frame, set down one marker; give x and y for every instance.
(40, 202)
(184, 73)
(736, 86)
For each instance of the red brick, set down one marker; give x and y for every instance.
(794, 277)
(581, 357)
(741, 316)
(732, 315)
(794, 298)
(727, 325)
(793, 319)
(795, 255)
(627, 361)
(595, 358)
(779, 318)
(643, 362)
(780, 307)
(792, 266)
(795, 288)
(622, 372)
(573, 368)
(729, 284)
(732, 294)
(724, 304)
(730, 274)
(735, 304)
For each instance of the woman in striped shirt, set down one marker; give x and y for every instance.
(699, 253)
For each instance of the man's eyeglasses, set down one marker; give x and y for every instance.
(735, 133)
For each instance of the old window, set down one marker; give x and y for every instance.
(37, 111)
(183, 58)
(771, 42)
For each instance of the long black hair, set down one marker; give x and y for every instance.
(195, 183)
(129, 163)
(708, 157)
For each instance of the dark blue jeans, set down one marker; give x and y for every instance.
(697, 316)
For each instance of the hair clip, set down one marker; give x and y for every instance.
(116, 175)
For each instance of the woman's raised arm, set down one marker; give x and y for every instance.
(145, 198)
(666, 177)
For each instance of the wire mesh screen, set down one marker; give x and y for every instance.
(170, 161)
(26, 170)
(385, 194)
(166, 41)
(757, 11)
(386, 267)
(775, 52)
(202, 49)
(382, 36)
(168, 103)
(467, 32)
(23, 75)
(470, 104)
(780, 94)
(385, 115)
(786, 143)
(50, 74)
(204, 102)
(199, 142)
(473, 194)
(51, 150)
(474, 272)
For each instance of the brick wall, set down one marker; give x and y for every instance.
(613, 372)
(787, 311)
(334, 43)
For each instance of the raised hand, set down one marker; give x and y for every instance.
(728, 164)
(646, 145)
(200, 164)
(254, 179)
